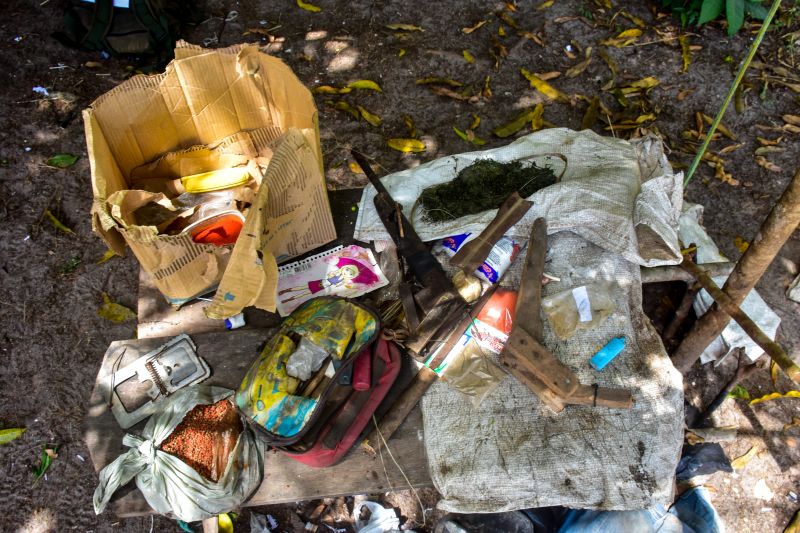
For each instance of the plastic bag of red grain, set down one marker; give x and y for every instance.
(195, 459)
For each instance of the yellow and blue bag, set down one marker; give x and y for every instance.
(271, 399)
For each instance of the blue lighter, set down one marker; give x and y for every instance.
(607, 353)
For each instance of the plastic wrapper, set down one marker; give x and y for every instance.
(495, 265)
(468, 367)
(583, 307)
(171, 485)
(306, 359)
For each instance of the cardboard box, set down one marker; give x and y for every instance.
(211, 109)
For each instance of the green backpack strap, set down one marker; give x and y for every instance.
(102, 17)
(156, 24)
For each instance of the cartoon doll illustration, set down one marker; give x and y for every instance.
(348, 273)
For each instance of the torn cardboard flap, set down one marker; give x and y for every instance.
(290, 216)
(210, 110)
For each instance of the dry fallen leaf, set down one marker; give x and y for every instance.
(684, 93)
(794, 423)
(444, 91)
(516, 124)
(328, 89)
(543, 87)
(469, 136)
(439, 81)
(469, 58)
(406, 145)
(769, 165)
(741, 461)
(486, 92)
(476, 121)
(612, 66)
(741, 244)
(773, 373)
(404, 27)
(644, 84)
(365, 84)
(114, 312)
(769, 142)
(56, 223)
(409, 122)
(765, 150)
(355, 168)
(545, 4)
(720, 127)
(474, 27)
(553, 74)
(590, 117)
(775, 395)
(686, 53)
(308, 7)
(791, 119)
(372, 118)
(109, 254)
(633, 18)
(625, 38)
(341, 105)
(401, 53)
(580, 67)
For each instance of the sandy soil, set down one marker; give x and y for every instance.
(51, 284)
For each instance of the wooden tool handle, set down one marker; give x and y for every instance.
(529, 301)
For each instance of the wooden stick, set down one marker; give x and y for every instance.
(775, 231)
(676, 273)
(529, 300)
(680, 315)
(727, 306)
(402, 406)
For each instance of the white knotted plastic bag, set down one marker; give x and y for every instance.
(168, 484)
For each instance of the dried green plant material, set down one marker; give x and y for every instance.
(686, 52)
(741, 461)
(406, 145)
(623, 39)
(62, 161)
(56, 223)
(775, 396)
(580, 67)
(725, 177)
(365, 84)
(590, 117)
(9, 434)
(410, 126)
(543, 87)
(474, 27)
(469, 136)
(439, 81)
(545, 5)
(341, 105)
(482, 186)
(110, 310)
(404, 27)
(763, 162)
(372, 118)
(308, 7)
(469, 58)
(401, 52)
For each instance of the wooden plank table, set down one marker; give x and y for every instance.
(229, 354)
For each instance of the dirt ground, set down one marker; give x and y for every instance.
(51, 283)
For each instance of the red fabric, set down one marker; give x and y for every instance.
(318, 455)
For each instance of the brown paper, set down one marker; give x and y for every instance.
(210, 109)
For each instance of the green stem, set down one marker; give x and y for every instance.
(732, 90)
